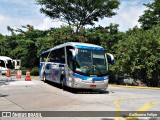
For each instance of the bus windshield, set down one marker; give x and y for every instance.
(91, 62)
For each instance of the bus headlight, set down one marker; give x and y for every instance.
(70, 79)
(106, 81)
(77, 80)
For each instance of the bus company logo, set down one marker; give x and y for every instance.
(6, 114)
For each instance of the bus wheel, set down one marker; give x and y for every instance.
(62, 82)
(44, 78)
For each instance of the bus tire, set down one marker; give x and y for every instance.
(62, 82)
(44, 77)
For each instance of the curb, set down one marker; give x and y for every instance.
(138, 87)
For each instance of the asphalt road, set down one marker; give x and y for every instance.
(35, 95)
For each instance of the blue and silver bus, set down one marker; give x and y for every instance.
(76, 65)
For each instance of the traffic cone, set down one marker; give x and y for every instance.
(8, 74)
(28, 77)
(18, 75)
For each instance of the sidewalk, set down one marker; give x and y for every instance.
(139, 87)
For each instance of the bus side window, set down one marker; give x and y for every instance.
(63, 59)
(57, 56)
(2, 64)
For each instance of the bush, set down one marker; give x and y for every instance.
(24, 72)
(35, 71)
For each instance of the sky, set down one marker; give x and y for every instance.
(17, 13)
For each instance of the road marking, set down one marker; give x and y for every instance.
(118, 108)
(147, 106)
(142, 110)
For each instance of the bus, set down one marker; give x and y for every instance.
(8, 63)
(5, 63)
(76, 65)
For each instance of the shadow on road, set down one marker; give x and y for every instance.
(6, 81)
(78, 91)
(3, 95)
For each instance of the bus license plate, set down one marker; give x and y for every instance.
(93, 86)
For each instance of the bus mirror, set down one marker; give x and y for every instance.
(73, 54)
(110, 58)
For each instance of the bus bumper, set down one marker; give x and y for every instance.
(89, 84)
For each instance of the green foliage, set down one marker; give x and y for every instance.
(105, 37)
(151, 17)
(35, 71)
(138, 55)
(78, 12)
(4, 46)
(24, 72)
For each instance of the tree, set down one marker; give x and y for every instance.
(78, 12)
(10, 30)
(3, 45)
(138, 55)
(105, 37)
(23, 46)
(151, 16)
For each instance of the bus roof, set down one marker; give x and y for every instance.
(5, 58)
(76, 45)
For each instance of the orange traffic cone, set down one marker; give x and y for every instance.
(18, 75)
(28, 77)
(8, 74)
